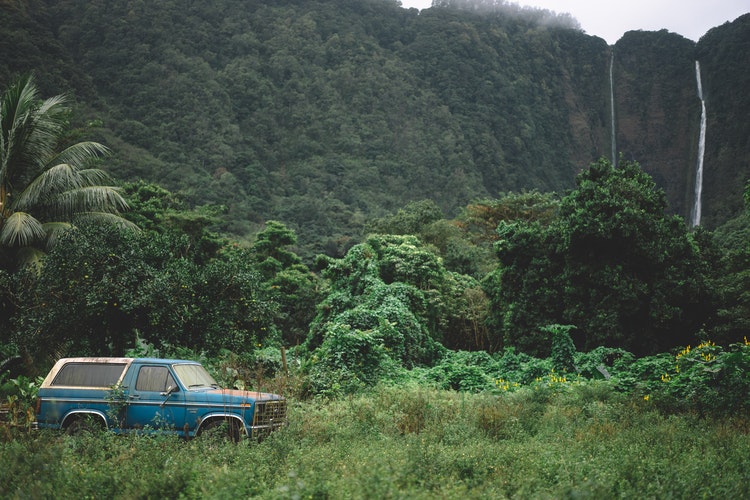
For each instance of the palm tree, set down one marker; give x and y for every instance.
(46, 186)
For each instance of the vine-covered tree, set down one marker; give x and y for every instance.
(46, 184)
(395, 290)
(388, 287)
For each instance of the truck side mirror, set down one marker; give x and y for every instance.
(170, 390)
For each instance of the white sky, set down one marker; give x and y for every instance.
(609, 19)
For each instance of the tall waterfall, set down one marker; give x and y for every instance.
(696, 215)
(612, 108)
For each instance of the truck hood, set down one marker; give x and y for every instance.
(245, 395)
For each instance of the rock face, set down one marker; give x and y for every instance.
(659, 114)
(724, 54)
(657, 110)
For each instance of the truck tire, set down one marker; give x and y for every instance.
(84, 425)
(227, 428)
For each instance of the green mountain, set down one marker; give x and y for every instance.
(326, 113)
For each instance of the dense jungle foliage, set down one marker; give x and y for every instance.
(132, 266)
(326, 114)
(604, 267)
(536, 344)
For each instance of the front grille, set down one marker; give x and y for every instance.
(269, 415)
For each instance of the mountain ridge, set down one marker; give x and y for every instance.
(326, 113)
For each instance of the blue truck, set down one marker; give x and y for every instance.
(128, 395)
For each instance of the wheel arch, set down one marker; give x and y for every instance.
(75, 415)
(216, 417)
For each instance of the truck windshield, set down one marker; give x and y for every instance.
(194, 376)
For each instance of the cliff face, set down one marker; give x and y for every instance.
(658, 114)
(323, 113)
(657, 110)
(724, 55)
(587, 100)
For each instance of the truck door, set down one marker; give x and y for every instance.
(155, 400)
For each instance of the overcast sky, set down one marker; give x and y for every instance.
(609, 19)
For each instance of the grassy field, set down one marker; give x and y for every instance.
(585, 441)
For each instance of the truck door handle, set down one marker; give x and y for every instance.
(135, 396)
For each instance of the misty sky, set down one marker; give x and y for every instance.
(609, 19)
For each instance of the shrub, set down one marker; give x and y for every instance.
(604, 362)
(519, 367)
(563, 351)
(462, 371)
(20, 401)
(347, 361)
(708, 379)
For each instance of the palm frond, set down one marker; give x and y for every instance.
(54, 105)
(29, 129)
(81, 154)
(93, 177)
(89, 199)
(46, 185)
(59, 179)
(107, 218)
(50, 117)
(18, 146)
(21, 230)
(17, 101)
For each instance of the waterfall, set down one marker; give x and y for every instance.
(612, 108)
(696, 215)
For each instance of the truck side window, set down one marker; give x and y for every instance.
(154, 378)
(89, 374)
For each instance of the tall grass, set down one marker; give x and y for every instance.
(584, 441)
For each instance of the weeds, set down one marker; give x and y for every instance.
(410, 442)
(539, 432)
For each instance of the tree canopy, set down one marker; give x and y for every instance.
(612, 264)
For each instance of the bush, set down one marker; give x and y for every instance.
(520, 368)
(462, 371)
(347, 361)
(707, 379)
(563, 351)
(20, 400)
(604, 362)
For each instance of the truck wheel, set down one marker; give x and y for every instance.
(228, 429)
(84, 426)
